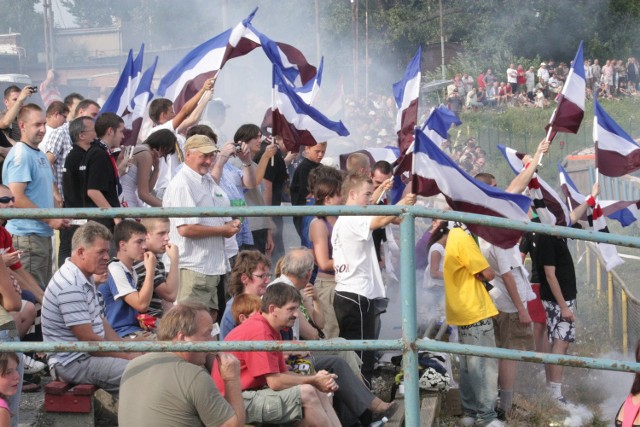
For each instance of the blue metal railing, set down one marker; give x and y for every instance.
(408, 344)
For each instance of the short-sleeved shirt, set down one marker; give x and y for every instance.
(467, 300)
(159, 277)
(527, 246)
(162, 389)
(71, 299)
(73, 178)
(506, 261)
(553, 251)
(29, 165)
(276, 174)
(58, 142)
(6, 247)
(100, 175)
(121, 282)
(354, 257)
(254, 365)
(231, 183)
(188, 188)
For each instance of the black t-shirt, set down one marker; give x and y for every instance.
(300, 182)
(4, 143)
(553, 251)
(527, 246)
(101, 176)
(276, 174)
(73, 178)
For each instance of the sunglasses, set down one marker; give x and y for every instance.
(7, 199)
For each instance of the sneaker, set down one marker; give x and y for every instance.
(496, 423)
(32, 366)
(467, 421)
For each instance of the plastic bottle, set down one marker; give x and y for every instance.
(379, 423)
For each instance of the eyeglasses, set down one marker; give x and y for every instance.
(262, 276)
(7, 199)
(87, 130)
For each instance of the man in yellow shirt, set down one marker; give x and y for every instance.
(469, 306)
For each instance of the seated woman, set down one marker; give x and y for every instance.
(141, 172)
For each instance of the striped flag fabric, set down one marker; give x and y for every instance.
(595, 218)
(617, 154)
(291, 61)
(121, 94)
(298, 123)
(138, 106)
(569, 112)
(406, 93)
(547, 203)
(310, 89)
(435, 173)
(186, 78)
(625, 212)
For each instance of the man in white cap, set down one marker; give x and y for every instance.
(203, 261)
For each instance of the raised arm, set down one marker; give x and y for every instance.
(191, 104)
(520, 182)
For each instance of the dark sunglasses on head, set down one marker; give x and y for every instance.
(7, 199)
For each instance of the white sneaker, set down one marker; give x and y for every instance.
(467, 421)
(496, 423)
(32, 366)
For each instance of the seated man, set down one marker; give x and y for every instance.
(71, 311)
(165, 286)
(177, 390)
(264, 376)
(122, 301)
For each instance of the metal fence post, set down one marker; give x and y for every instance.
(587, 260)
(598, 276)
(625, 326)
(610, 302)
(409, 328)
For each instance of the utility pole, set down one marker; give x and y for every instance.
(354, 27)
(48, 34)
(366, 50)
(318, 54)
(442, 43)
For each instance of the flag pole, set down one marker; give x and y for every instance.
(547, 139)
(273, 112)
(414, 185)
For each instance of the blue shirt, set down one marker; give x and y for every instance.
(120, 315)
(29, 165)
(231, 183)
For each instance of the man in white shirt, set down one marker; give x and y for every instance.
(512, 78)
(358, 276)
(203, 260)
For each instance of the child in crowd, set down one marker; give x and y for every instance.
(9, 382)
(123, 302)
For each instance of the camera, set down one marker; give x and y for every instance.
(238, 147)
(33, 89)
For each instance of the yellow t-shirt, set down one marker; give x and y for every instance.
(467, 300)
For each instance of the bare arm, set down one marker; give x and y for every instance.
(313, 305)
(197, 231)
(22, 201)
(196, 114)
(579, 212)
(9, 296)
(248, 169)
(28, 283)
(268, 154)
(230, 373)
(85, 332)
(168, 290)
(434, 265)
(486, 275)
(227, 150)
(12, 113)
(322, 380)
(141, 299)
(191, 104)
(267, 194)
(381, 221)
(319, 236)
(512, 290)
(521, 181)
(144, 162)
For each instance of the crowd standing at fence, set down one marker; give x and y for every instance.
(123, 279)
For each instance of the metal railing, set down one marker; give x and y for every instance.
(409, 344)
(623, 307)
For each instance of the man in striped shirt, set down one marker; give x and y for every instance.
(203, 260)
(72, 311)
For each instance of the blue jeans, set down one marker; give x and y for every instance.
(478, 375)
(14, 401)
